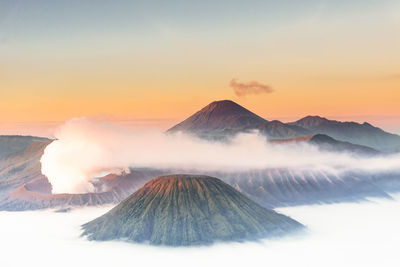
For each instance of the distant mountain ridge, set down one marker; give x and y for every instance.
(23, 187)
(362, 134)
(327, 143)
(222, 119)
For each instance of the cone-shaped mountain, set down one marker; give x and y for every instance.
(223, 119)
(219, 117)
(184, 210)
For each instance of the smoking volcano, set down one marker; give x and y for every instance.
(184, 210)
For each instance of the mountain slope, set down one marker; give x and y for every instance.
(36, 194)
(24, 187)
(329, 144)
(222, 119)
(12, 144)
(277, 129)
(182, 210)
(280, 187)
(225, 118)
(361, 134)
(218, 117)
(20, 161)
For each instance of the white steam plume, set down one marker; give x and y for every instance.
(85, 148)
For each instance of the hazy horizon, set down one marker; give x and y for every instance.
(147, 59)
(47, 128)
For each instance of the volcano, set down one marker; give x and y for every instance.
(185, 210)
(222, 119)
(218, 119)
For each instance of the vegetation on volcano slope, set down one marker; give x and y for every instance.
(182, 210)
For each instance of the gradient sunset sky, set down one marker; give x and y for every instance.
(130, 60)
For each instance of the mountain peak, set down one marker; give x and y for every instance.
(218, 117)
(184, 210)
(228, 108)
(223, 102)
(311, 121)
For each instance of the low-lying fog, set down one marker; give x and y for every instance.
(84, 148)
(353, 234)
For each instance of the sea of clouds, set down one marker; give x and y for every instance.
(353, 234)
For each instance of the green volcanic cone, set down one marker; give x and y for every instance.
(183, 210)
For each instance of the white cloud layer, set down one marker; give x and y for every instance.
(85, 148)
(363, 234)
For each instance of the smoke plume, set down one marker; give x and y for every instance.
(249, 88)
(85, 148)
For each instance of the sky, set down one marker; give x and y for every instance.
(163, 60)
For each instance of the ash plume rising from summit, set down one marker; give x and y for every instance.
(84, 148)
(242, 89)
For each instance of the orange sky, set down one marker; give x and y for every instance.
(293, 98)
(334, 59)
